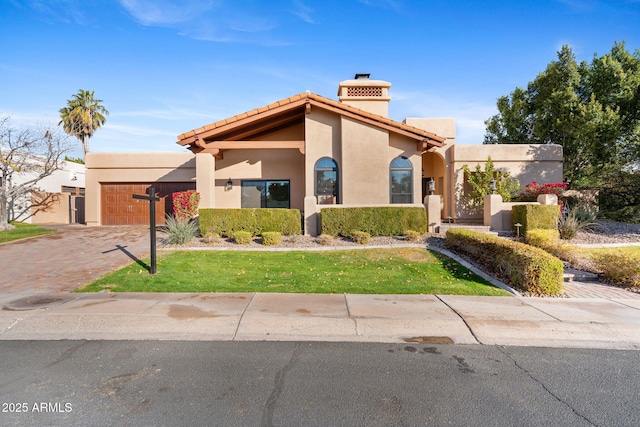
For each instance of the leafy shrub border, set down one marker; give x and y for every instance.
(524, 267)
(377, 221)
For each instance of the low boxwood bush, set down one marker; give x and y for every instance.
(325, 240)
(542, 238)
(225, 222)
(549, 240)
(412, 236)
(242, 237)
(360, 237)
(543, 217)
(524, 267)
(270, 238)
(211, 238)
(377, 221)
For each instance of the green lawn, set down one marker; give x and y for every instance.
(22, 231)
(371, 271)
(631, 250)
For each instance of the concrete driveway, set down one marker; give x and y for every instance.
(73, 257)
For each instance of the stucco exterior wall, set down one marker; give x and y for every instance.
(281, 164)
(322, 139)
(132, 167)
(365, 158)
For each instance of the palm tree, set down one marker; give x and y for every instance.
(82, 116)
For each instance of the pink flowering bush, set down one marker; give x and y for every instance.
(532, 190)
(185, 204)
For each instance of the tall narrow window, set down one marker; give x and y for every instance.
(401, 172)
(326, 174)
(265, 194)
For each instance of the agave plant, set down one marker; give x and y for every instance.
(179, 231)
(575, 220)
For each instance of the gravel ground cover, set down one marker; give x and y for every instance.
(606, 232)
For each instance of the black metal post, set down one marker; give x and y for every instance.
(152, 224)
(152, 213)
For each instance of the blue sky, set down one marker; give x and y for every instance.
(164, 67)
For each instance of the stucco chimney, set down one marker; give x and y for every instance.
(368, 95)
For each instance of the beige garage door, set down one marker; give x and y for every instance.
(120, 208)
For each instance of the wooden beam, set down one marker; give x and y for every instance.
(217, 153)
(248, 145)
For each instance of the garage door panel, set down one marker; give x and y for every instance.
(120, 208)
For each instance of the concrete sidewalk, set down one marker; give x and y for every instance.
(427, 319)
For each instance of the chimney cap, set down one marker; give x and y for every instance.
(362, 76)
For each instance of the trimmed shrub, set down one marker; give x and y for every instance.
(325, 240)
(412, 236)
(270, 238)
(620, 269)
(549, 240)
(226, 222)
(543, 217)
(212, 238)
(377, 221)
(524, 267)
(360, 237)
(179, 230)
(242, 237)
(542, 238)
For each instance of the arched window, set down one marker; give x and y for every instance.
(326, 181)
(401, 174)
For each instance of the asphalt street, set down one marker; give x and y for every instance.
(124, 383)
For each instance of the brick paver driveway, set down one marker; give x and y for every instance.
(74, 256)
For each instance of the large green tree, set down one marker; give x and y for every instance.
(591, 109)
(82, 116)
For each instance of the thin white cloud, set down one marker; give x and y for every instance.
(383, 4)
(303, 12)
(166, 12)
(67, 11)
(252, 25)
(216, 21)
(579, 5)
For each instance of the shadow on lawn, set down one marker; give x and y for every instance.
(130, 255)
(457, 270)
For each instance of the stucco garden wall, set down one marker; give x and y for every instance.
(526, 163)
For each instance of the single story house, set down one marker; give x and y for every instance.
(305, 152)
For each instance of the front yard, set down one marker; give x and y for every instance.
(368, 271)
(23, 231)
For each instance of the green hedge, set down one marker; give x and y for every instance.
(542, 217)
(377, 221)
(523, 267)
(256, 221)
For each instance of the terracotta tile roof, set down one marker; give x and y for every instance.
(288, 104)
